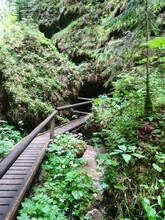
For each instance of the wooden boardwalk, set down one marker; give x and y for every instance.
(17, 180)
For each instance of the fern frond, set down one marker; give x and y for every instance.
(133, 16)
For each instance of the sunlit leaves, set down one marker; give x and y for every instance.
(157, 167)
(151, 213)
(157, 42)
(126, 157)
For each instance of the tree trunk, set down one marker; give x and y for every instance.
(148, 103)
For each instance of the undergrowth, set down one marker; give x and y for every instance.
(133, 181)
(65, 190)
(9, 136)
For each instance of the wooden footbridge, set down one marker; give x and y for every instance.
(19, 167)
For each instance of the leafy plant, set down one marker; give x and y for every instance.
(133, 164)
(126, 152)
(9, 136)
(151, 213)
(66, 189)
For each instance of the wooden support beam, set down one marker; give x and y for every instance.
(52, 127)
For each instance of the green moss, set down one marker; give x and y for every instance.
(32, 72)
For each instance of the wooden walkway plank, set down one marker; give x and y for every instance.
(16, 181)
(7, 194)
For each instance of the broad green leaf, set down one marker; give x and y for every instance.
(105, 186)
(111, 162)
(120, 187)
(162, 59)
(126, 157)
(160, 202)
(75, 194)
(157, 42)
(132, 148)
(116, 99)
(102, 156)
(151, 213)
(156, 167)
(116, 152)
(96, 101)
(138, 155)
(161, 181)
(124, 218)
(122, 147)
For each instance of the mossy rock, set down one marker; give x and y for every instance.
(79, 147)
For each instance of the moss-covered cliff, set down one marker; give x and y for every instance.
(35, 77)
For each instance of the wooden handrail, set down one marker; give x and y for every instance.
(82, 98)
(74, 105)
(7, 161)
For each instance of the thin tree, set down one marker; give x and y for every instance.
(133, 16)
(148, 104)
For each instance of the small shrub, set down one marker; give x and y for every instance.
(8, 137)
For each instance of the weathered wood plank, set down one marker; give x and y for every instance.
(32, 151)
(28, 157)
(10, 181)
(7, 194)
(19, 168)
(5, 201)
(28, 160)
(36, 144)
(2, 217)
(26, 163)
(35, 148)
(3, 209)
(16, 202)
(9, 187)
(9, 176)
(17, 172)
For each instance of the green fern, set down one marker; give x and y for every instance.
(133, 16)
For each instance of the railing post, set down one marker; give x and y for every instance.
(52, 127)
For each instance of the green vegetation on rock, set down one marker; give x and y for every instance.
(34, 76)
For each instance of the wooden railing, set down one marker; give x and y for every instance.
(7, 161)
